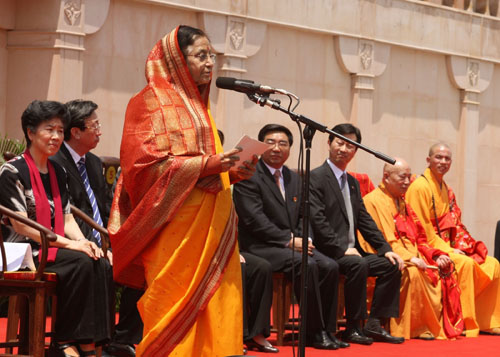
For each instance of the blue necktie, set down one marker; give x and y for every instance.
(96, 215)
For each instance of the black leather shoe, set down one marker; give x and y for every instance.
(252, 345)
(120, 350)
(381, 335)
(321, 341)
(341, 343)
(354, 335)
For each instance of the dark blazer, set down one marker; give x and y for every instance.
(329, 219)
(77, 190)
(264, 218)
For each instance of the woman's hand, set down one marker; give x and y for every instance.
(246, 170)
(228, 159)
(87, 247)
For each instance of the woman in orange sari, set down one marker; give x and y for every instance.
(172, 225)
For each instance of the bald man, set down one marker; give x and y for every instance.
(478, 274)
(420, 306)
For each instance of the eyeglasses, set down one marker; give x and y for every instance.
(95, 127)
(203, 57)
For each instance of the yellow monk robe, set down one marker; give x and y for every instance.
(173, 230)
(479, 284)
(420, 300)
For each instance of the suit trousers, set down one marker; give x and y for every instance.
(386, 295)
(128, 331)
(323, 278)
(257, 278)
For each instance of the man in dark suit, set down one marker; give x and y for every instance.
(335, 225)
(88, 192)
(268, 207)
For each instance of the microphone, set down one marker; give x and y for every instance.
(248, 86)
(242, 85)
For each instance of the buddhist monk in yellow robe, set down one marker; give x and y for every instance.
(429, 196)
(420, 294)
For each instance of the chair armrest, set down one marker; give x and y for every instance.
(88, 220)
(46, 236)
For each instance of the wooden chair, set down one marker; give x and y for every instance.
(33, 342)
(110, 166)
(35, 286)
(282, 290)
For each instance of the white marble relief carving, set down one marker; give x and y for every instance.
(236, 34)
(366, 55)
(473, 73)
(72, 12)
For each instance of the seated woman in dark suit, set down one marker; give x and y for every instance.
(34, 186)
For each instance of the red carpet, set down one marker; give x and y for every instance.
(482, 346)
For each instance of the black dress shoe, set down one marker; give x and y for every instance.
(341, 343)
(381, 335)
(356, 336)
(120, 350)
(322, 341)
(252, 345)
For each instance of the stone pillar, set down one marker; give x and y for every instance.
(45, 53)
(363, 60)
(234, 39)
(471, 77)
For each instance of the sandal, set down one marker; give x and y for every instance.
(57, 349)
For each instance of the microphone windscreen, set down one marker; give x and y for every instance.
(225, 82)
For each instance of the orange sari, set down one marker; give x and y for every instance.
(172, 232)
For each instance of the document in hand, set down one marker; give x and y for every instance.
(250, 147)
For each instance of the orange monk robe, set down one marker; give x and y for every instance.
(420, 300)
(480, 296)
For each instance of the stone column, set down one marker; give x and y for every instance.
(234, 39)
(363, 60)
(471, 77)
(45, 53)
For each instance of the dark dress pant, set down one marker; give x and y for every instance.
(257, 279)
(356, 269)
(323, 278)
(128, 331)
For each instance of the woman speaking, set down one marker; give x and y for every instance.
(172, 225)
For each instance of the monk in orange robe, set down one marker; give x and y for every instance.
(478, 274)
(421, 298)
(173, 224)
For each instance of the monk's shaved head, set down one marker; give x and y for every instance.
(438, 146)
(439, 160)
(397, 177)
(399, 165)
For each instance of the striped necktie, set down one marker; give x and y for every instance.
(95, 210)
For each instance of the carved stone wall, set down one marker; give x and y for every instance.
(407, 72)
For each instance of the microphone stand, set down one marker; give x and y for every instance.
(310, 129)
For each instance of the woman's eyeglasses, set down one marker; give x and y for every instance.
(203, 57)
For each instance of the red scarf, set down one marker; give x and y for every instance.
(42, 205)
